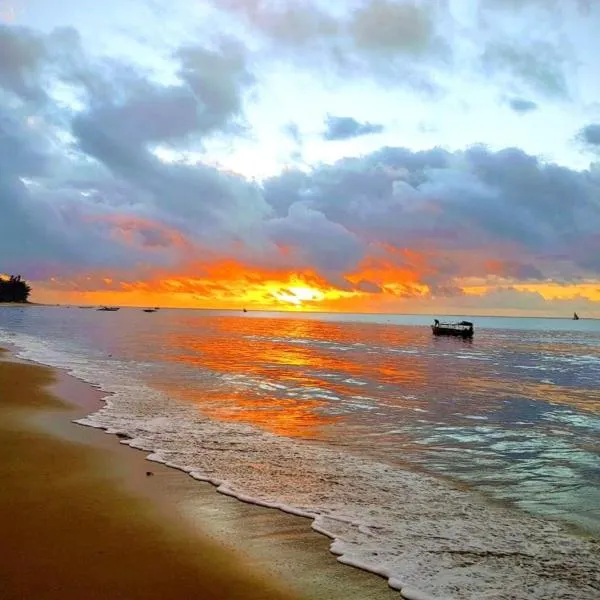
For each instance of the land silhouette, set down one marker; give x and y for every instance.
(14, 289)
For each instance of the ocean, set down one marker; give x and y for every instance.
(455, 467)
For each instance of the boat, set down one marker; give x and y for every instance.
(108, 308)
(150, 309)
(463, 329)
(575, 317)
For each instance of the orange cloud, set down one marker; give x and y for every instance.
(390, 279)
(398, 271)
(146, 233)
(221, 284)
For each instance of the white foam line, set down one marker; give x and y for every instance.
(428, 521)
(336, 547)
(223, 487)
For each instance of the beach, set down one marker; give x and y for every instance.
(307, 428)
(81, 519)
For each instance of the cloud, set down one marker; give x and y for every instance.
(387, 27)
(21, 57)
(538, 65)
(384, 26)
(321, 243)
(344, 128)
(590, 134)
(121, 135)
(217, 78)
(108, 167)
(456, 210)
(292, 131)
(83, 188)
(368, 287)
(522, 106)
(583, 6)
(386, 40)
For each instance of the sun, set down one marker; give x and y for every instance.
(297, 295)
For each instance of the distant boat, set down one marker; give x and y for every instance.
(150, 309)
(462, 329)
(575, 317)
(109, 308)
(245, 310)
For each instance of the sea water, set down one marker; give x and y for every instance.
(457, 469)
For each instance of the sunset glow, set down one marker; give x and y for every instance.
(285, 156)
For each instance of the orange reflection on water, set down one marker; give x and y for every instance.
(275, 352)
(281, 416)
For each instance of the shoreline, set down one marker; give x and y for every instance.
(277, 552)
(503, 560)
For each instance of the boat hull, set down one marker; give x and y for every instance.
(462, 333)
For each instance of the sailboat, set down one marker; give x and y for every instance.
(575, 317)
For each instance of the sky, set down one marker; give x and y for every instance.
(398, 156)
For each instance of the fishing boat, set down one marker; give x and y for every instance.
(108, 308)
(150, 309)
(463, 329)
(575, 317)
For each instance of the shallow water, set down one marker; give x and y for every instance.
(346, 417)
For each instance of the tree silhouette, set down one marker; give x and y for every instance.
(14, 289)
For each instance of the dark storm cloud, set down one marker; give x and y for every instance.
(344, 128)
(522, 106)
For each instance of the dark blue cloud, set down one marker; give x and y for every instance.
(345, 128)
(590, 134)
(522, 106)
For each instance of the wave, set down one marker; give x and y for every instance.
(429, 539)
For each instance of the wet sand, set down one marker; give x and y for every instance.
(81, 519)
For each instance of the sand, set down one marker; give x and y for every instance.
(80, 518)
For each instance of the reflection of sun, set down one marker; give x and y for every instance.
(298, 294)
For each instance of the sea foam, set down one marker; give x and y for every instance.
(429, 539)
